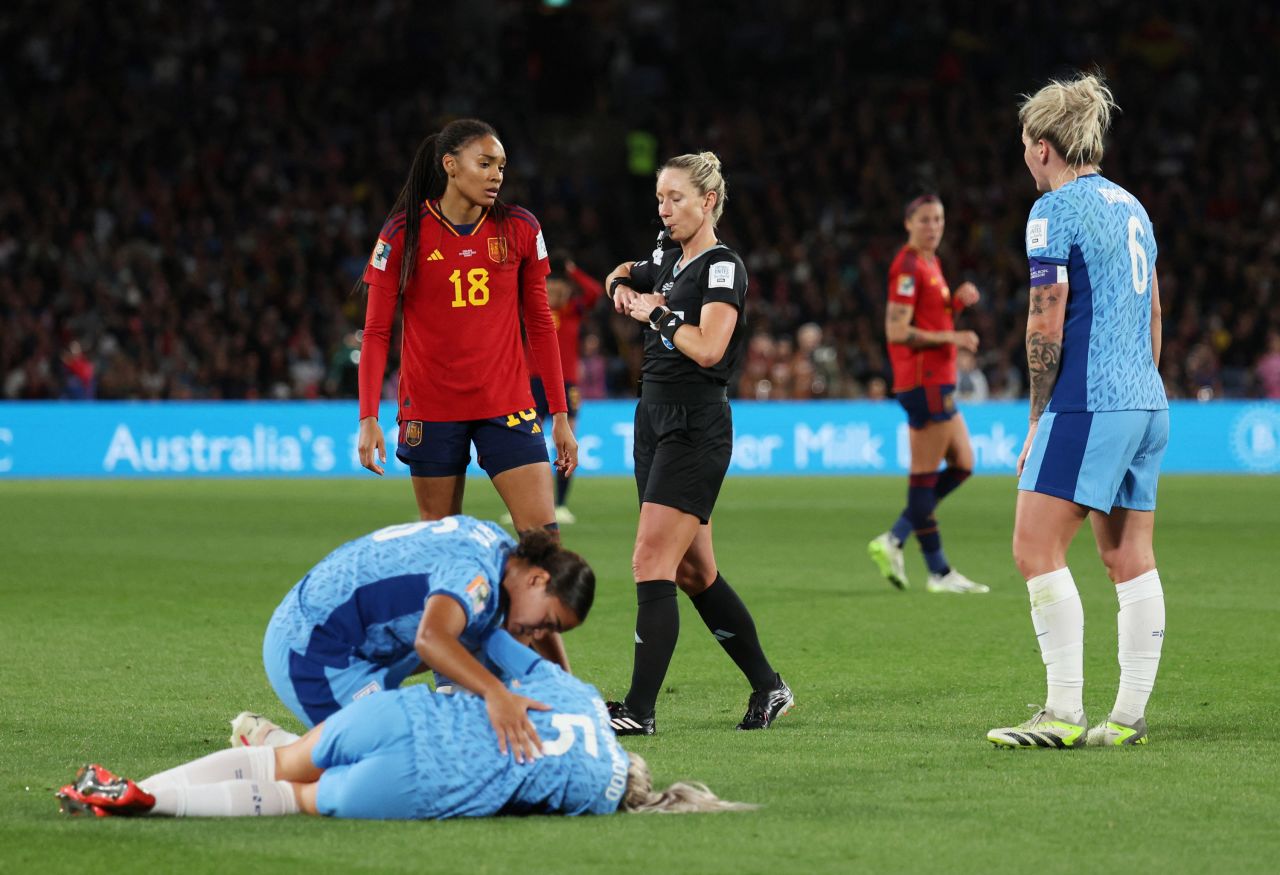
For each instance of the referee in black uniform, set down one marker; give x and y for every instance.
(691, 294)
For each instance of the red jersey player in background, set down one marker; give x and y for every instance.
(920, 329)
(467, 270)
(571, 293)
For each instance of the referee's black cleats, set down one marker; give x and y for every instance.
(625, 722)
(768, 705)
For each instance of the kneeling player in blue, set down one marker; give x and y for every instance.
(412, 755)
(417, 596)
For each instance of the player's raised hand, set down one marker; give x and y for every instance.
(372, 442)
(507, 713)
(967, 295)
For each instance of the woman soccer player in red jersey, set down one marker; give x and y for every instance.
(467, 269)
(920, 329)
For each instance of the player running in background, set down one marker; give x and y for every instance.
(467, 269)
(571, 293)
(694, 304)
(410, 597)
(410, 755)
(920, 328)
(1099, 415)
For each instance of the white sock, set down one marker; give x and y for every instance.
(1140, 625)
(1058, 618)
(235, 763)
(240, 798)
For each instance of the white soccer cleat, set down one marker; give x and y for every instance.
(1044, 730)
(954, 581)
(1115, 734)
(564, 516)
(251, 730)
(887, 555)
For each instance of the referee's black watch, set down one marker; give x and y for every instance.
(656, 315)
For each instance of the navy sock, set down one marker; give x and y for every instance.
(730, 621)
(657, 628)
(902, 529)
(949, 480)
(921, 500)
(562, 488)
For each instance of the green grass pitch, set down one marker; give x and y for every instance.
(131, 618)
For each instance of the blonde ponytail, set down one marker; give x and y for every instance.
(1072, 115)
(680, 798)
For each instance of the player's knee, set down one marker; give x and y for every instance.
(692, 577)
(1033, 555)
(647, 561)
(1125, 564)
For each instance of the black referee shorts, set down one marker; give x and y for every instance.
(682, 454)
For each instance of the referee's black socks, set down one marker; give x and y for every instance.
(657, 628)
(730, 621)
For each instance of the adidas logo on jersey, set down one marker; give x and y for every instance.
(435, 256)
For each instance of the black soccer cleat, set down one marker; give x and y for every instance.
(624, 722)
(765, 706)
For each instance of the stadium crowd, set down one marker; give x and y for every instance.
(188, 191)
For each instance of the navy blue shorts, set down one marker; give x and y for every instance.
(571, 394)
(443, 449)
(926, 404)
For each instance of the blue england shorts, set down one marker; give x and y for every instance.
(926, 404)
(1100, 460)
(315, 686)
(443, 449)
(367, 753)
(573, 398)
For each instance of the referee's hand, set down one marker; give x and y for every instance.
(371, 442)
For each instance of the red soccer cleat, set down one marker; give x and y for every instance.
(103, 794)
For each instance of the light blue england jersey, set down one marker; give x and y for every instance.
(366, 598)
(1096, 237)
(462, 773)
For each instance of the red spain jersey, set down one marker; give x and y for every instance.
(461, 356)
(918, 282)
(568, 322)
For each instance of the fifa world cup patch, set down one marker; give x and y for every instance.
(1037, 234)
(497, 249)
(907, 286)
(542, 247)
(381, 252)
(478, 594)
(721, 275)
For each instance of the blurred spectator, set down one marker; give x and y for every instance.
(971, 383)
(189, 198)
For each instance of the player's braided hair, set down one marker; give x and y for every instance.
(572, 580)
(427, 180)
(682, 797)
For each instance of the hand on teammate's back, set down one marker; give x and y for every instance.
(507, 713)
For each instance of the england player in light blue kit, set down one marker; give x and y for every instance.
(411, 755)
(1099, 416)
(410, 597)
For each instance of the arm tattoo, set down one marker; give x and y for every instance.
(1042, 300)
(1044, 358)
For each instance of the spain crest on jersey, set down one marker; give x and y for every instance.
(498, 249)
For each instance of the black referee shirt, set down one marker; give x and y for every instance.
(716, 275)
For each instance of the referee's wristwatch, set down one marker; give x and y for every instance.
(656, 315)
